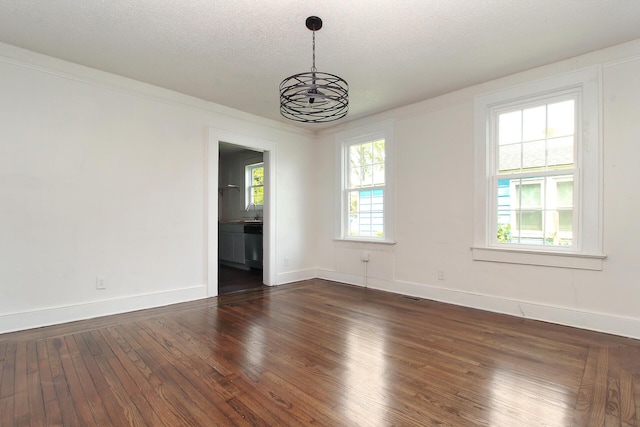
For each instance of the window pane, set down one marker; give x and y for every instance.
(355, 155)
(354, 208)
(378, 174)
(561, 117)
(533, 155)
(510, 158)
(504, 231)
(377, 213)
(356, 162)
(565, 193)
(509, 127)
(530, 195)
(354, 177)
(530, 221)
(565, 220)
(560, 152)
(257, 176)
(366, 164)
(504, 199)
(534, 123)
(367, 175)
(366, 213)
(378, 151)
(504, 211)
(257, 195)
(367, 153)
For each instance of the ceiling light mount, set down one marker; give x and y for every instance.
(314, 97)
(313, 23)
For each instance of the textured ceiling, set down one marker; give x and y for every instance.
(392, 53)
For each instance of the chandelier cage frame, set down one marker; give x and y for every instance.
(314, 96)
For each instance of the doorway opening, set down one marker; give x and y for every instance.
(240, 218)
(241, 213)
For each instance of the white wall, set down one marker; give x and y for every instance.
(104, 176)
(232, 172)
(434, 212)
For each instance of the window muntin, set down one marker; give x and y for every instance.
(365, 188)
(254, 179)
(533, 173)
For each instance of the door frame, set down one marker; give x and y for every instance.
(270, 152)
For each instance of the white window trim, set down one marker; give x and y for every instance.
(383, 130)
(587, 253)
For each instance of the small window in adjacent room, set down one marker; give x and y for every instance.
(365, 184)
(538, 173)
(254, 179)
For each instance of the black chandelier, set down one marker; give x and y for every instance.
(314, 97)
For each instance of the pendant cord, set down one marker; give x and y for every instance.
(313, 68)
(366, 275)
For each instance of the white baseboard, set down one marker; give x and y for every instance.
(71, 313)
(624, 326)
(371, 282)
(296, 276)
(628, 327)
(334, 276)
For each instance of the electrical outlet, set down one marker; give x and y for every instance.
(100, 284)
(364, 257)
(286, 260)
(440, 274)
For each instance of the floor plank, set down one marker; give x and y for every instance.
(317, 352)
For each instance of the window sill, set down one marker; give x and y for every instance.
(532, 257)
(363, 240)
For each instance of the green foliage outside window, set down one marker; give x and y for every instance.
(504, 233)
(257, 176)
(257, 195)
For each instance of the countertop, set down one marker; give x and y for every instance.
(241, 221)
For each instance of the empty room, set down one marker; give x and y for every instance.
(332, 213)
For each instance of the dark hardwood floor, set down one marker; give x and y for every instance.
(322, 353)
(232, 280)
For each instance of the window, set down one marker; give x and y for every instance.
(365, 190)
(535, 150)
(254, 179)
(538, 173)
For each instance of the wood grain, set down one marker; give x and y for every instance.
(317, 352)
